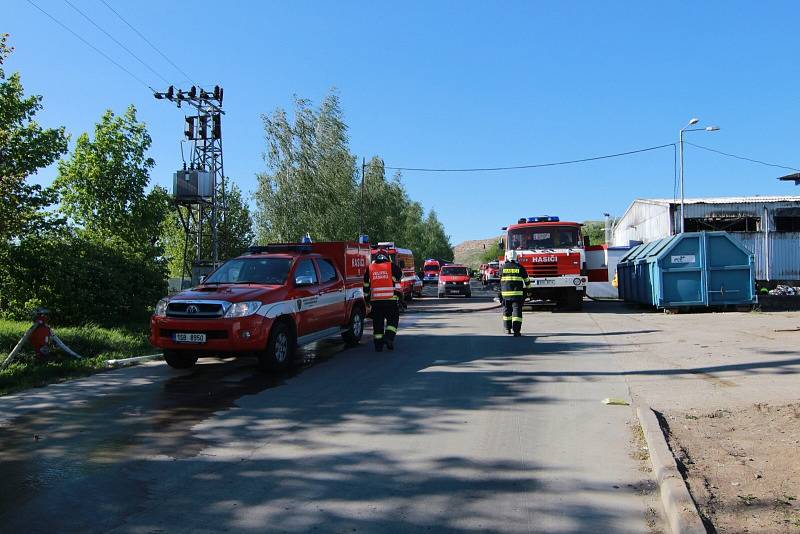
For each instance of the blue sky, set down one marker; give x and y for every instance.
(454, 84)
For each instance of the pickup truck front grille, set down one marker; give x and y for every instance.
(195, 309)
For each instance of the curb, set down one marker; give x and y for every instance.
(129, 361)
(681, 512)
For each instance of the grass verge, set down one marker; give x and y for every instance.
(95, 343)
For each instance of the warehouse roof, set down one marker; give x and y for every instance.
(721, 200)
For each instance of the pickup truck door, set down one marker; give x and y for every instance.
(331, 295)
(305, 295)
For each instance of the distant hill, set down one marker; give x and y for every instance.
(469, 252)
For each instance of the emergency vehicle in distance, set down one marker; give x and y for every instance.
(454, 280)
(553, 254)
(430, 271)
(491, 273)
(266, 303)
(403, 258)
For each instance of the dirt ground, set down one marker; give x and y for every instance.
(742, 465)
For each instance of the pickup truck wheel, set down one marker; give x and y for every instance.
(180, 360)
(355, 328)
(279, 349)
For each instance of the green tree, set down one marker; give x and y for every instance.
(310, 183)
(25, 147)
(491, 253)
(595, 231)
(104, 185)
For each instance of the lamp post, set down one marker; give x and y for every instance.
(686, 128)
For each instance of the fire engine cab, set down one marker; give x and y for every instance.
(430, 271)
(266, 303)
(554, 256)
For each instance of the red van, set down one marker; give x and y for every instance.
(454, 280)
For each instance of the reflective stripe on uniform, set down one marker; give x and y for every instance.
(516, 319)
(391, 329)
(506, 317)
(378, 336)
(512, 279)
(512, 293)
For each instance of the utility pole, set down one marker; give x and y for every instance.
(200, 189)
(361, 209)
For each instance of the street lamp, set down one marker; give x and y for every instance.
(686, 128)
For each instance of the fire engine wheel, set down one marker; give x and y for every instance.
(279, 349)
(179, 360)
(355, 328)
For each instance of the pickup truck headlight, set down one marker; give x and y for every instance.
(243, 309)
(161, 308)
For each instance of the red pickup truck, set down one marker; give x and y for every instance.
(265, 304)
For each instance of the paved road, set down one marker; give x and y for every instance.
(460, 429)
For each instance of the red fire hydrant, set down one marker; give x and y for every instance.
(40, 337)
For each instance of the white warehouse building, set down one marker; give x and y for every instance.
(768, 226)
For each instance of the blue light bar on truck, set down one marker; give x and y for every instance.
(543, 218)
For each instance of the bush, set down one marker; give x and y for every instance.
(79, 280)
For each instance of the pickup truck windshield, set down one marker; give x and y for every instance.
(430, 268)
(270, 271)
(454, 271)
(543, 237)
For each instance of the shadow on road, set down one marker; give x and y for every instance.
(153, 458)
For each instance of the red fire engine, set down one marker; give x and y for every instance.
(553, 254)
(403, 258)
(266, 303)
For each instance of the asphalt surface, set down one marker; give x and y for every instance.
(461, 429)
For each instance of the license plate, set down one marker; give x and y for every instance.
(545, 282)
(189, 338)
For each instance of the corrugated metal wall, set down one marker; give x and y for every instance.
(646, 221)
(784, 254)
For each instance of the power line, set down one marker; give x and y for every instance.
(743, 158)
(90, 45)
(137, 58)
(146, 40)
(532, 166)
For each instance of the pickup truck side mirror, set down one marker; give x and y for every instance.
(202, 279)
(501, 244)
(301, 281)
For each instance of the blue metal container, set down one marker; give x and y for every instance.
(688, 270)
(625, 277)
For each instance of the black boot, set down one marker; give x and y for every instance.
(390, 343)
(517, 334)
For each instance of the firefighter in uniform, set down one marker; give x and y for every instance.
(381, 284)
(513, 282)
